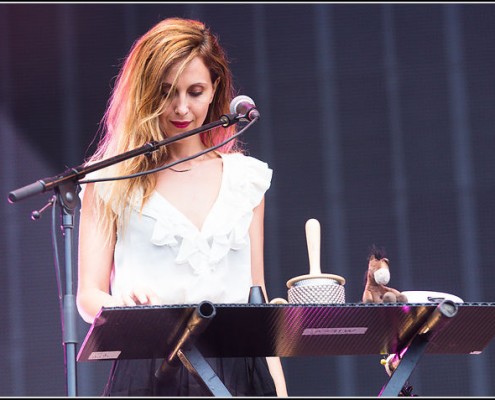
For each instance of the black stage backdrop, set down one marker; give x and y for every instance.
(377, 119)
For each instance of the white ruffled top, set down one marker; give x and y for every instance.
(163, 250)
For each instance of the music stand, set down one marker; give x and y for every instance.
(190, 333)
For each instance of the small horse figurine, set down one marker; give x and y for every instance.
(377, 276)
(375, 291)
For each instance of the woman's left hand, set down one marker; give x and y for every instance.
(140, 296)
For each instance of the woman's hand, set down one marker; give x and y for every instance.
(139, 296)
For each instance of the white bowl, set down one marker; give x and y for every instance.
(425, 296)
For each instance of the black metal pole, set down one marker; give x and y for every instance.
(75, 174)
(68, 200)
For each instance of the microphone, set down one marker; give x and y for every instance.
(244, 106)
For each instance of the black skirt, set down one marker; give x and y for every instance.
(241, 376)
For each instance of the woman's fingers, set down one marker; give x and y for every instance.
(128, 300)
(141, 296)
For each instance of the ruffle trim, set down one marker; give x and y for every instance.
(226, 228)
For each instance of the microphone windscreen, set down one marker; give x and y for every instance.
(234, 104)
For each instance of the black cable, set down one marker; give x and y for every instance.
(56, 257)
(174, 163)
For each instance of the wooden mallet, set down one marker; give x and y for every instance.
(315, 287)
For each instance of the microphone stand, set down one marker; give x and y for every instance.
(66, 188)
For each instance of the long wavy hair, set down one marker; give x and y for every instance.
(132, 116)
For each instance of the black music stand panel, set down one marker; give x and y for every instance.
(288, 330)
(285, 330)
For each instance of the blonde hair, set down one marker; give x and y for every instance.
(132, 116)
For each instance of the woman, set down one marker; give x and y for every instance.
(182, 234)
